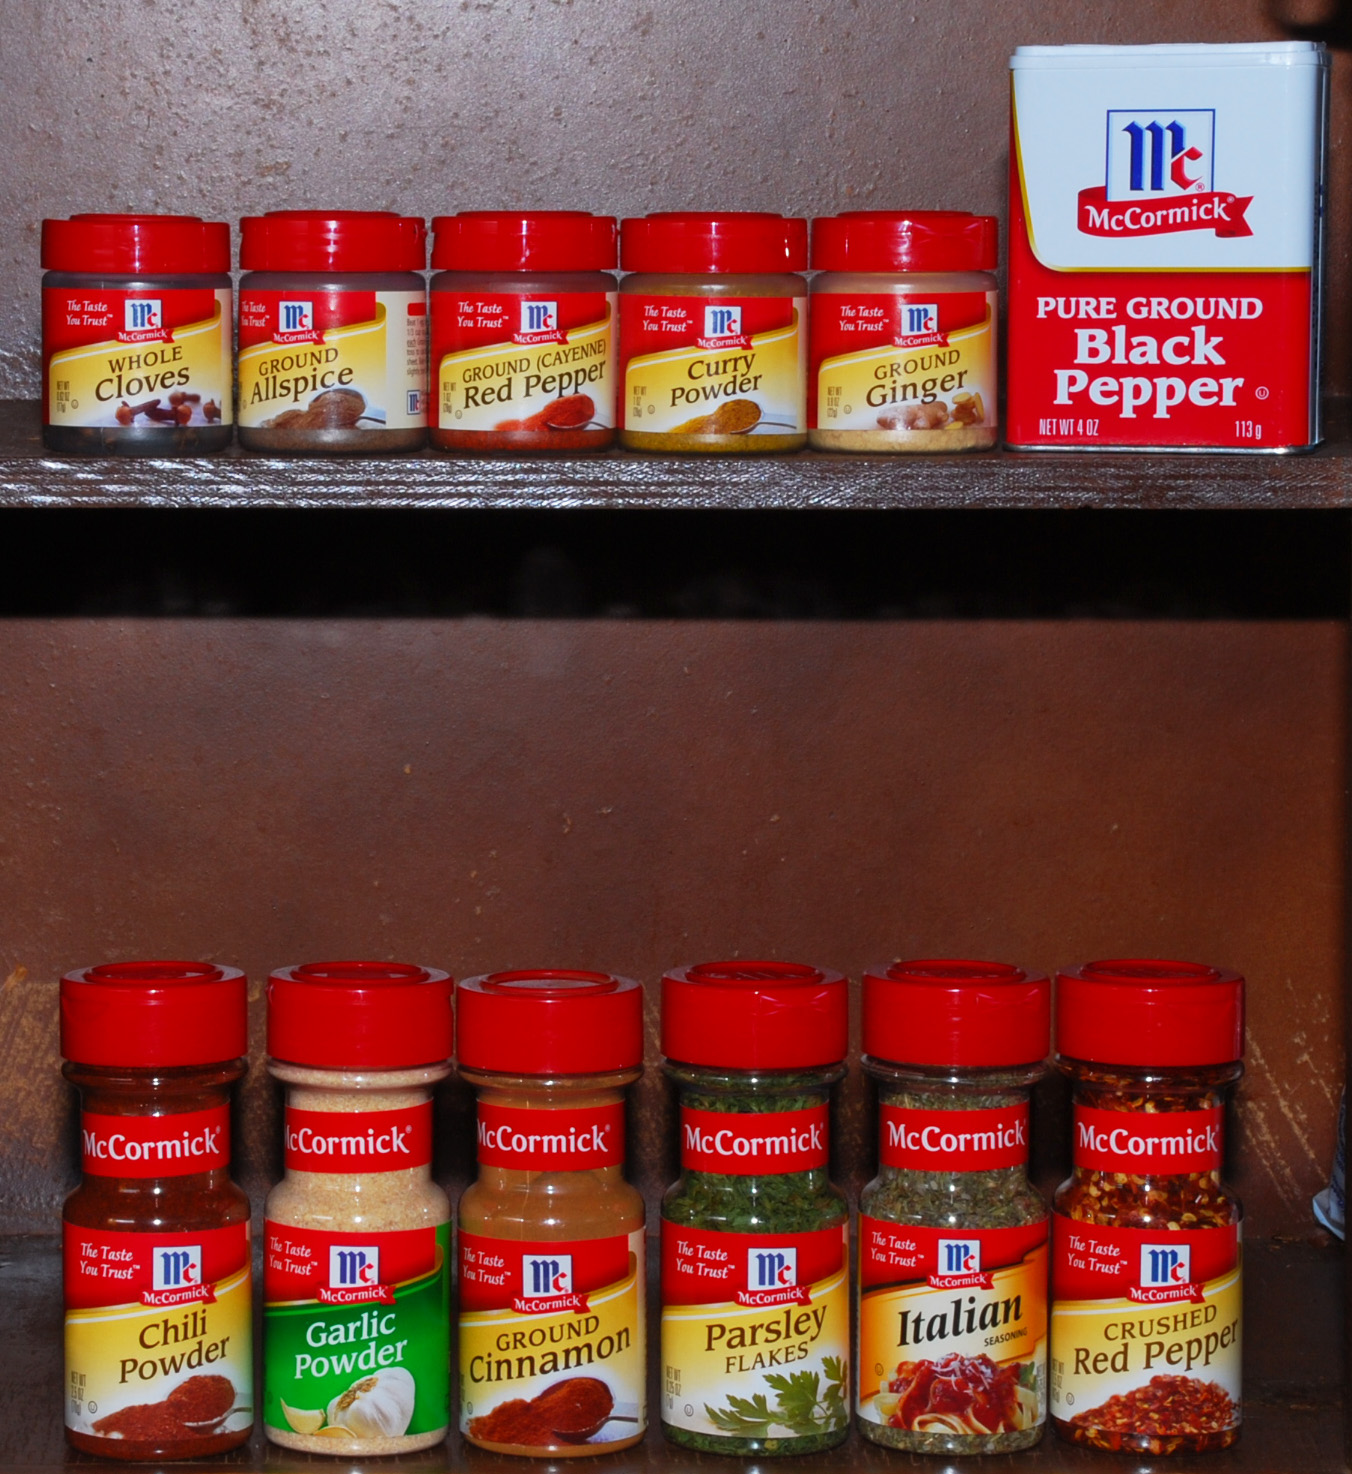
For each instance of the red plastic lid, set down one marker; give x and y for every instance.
(731, 241)
(360, 1015)
(905, 240)
(947, 1012)
(136, 245)
(550, 1021)
(523, 240)
(1145, 1012)
(332, 240)
(146, 1014)
(755, 1015)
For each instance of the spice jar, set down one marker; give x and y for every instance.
(1145, 1325)
(552, 1286)
(903, 353)
(523, 331)
(952, 1239)
(713, 339)
(755, 1251)
(356, 1268)
(332, 331)
(159, 1314)
(136, 324)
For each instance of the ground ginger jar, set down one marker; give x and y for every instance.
(755, 1237)
(713, 332)
(552, 1287)
(356, 1261)
(158, 1280)
(1146, 1312)
(903, 338)
(952, 1238)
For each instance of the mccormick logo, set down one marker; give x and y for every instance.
(176, 1277)
(1166, 1275)
(546, 1275)
(539, 324)
(1159, 178)
(296, 323)
(723, 327)
(143, 315)
(919, 326)
(353, 1266)
(959, 1265)
(772, 1278)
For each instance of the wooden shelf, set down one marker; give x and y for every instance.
(31, 477)
(1292, 1353)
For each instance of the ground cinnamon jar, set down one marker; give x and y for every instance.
(159, 1315)
(356, 1264)
(1145, 1326)
(523, 331)
(552, 1286)
(713, 332)
(952, 1238)
(332, 331)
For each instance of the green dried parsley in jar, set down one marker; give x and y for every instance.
(755, 1248)
(952, 1238)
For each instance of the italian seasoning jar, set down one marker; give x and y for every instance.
(713, 333)
(755, 1237)
(356, 1267)
(952, 1239)
(523, 331)
(903, 352)
(1145, 1325)
(332, 331)
(136, 335)
(158, 1287)
(552, 1285)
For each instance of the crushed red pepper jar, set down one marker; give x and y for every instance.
(157, 1265)
(1146, 1243)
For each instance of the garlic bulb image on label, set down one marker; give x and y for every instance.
(378, 1406)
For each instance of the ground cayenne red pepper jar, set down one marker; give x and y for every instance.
(552, 1288)
(1145, 1329)
(136, 335)
(332, 331)
(523, 331)
(713, 332)
(159, 1316)
(952, 1239)
(356, 1266)
(755, 1252)
(902, 354)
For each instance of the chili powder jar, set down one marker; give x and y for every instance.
(552, 1287)
(755, 1237)
(356, 1267)
(952, 1239)
(159, 1314)
(136, 335)
(1145, 1325)
(903, 352)
(713, 332)
(523, 331)
(332, 331)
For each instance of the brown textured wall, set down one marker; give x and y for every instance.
(482, 794)
(434, 105)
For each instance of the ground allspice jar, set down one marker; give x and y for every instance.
(332, 331)
(159, 1312)
(1145, 1327)
(136, 335)
(755, 1244)
(713, 332)
(552, 1286)
(903, 351)
(523, 331)
(952, 1239)
(356, 1266)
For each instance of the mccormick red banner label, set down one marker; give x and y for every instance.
(745, 1144)
(571, 1140)
(358, 1141)
(344, 1268)
(953, 1141)
(156, 1146)
(1165, 235)
(159, 1270)
(1148, 1143)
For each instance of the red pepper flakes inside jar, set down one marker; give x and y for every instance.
(1146, 1256)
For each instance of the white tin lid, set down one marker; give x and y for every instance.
(1240, 53)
